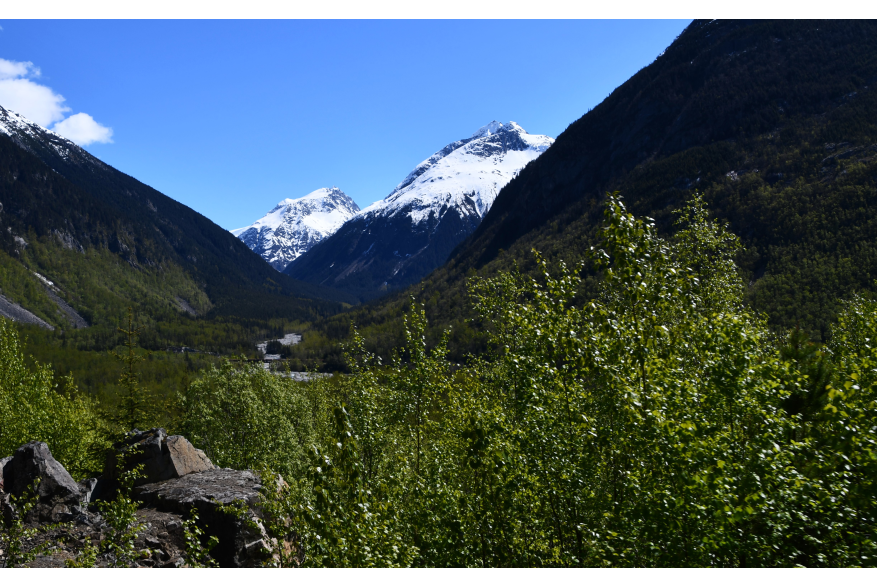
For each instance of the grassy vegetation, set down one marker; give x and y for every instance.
(661, 424)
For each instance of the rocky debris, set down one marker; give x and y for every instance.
(179, 479)
(16, 313)
(161, 544)
(242, 542)
(185, 306)
(163, 457)
(72, 316)
(59, 495)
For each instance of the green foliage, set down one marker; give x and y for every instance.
(121, 517)
(348, 524)
(134, 403)
(279, 505)
(652, 419)
(244, 417)
(14, 533)
(198, 554)
(34, 407)
(659, 423)
(86, 559)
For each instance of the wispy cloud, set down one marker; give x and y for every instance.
(14, 69)
(41, 104)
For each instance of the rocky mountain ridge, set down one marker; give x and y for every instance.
(294, 226)
(400, 239)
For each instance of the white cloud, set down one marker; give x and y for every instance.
(13, 69)
(83, 130)
(41, 104)
(33, 101)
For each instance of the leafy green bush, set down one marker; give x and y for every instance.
(34, 407)
(660, 424)
(244, 417)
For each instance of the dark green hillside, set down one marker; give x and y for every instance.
(116, 212)
(718, 81)
(775, 122)
(104, 253)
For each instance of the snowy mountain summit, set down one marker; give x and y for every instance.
(466, 175)
(400, 239)
(294, 226)
(45, 143)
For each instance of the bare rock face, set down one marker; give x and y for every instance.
(163, 457)
(185, 458)
(241, 542)
(3, 462)
(59, 495)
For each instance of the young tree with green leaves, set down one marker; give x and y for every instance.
(35, 406)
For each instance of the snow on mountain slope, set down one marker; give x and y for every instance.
(400, 239)
(294, 226)
(466, 175)
(32, 137)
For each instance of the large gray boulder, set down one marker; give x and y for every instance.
(163, 457)
(242, 543)
(58, 494)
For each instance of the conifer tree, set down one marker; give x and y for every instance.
(133, 404)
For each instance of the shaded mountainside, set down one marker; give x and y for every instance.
(751, 114)
(774, 122)
(400, 239)
(720, 81)
(107, 241)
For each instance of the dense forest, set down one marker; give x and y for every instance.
(659, 423)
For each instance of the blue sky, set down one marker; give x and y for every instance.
(230, 117)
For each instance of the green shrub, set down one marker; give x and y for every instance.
(660, 423)
(33, 406)
(245, 417)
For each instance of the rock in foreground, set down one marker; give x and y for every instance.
(59, 495)
(163, 457)
(240, 543)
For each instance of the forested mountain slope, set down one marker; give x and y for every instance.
(107, 241)
(774, 122)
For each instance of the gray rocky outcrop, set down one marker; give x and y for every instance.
(163, 457)
(242, 542)
(59, 496)
(3, 462)
(178, 479)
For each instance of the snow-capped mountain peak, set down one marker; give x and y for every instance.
(295, 225)
(400, 239)
(495, 127)
(466, 173)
